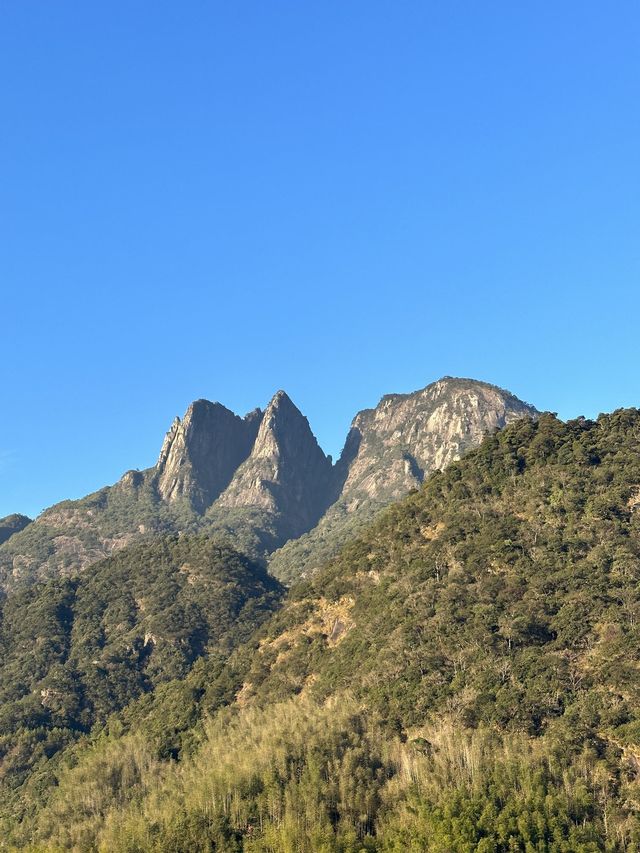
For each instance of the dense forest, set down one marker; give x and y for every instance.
(75, 650)
(463, 676)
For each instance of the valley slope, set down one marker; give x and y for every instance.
(462, 676)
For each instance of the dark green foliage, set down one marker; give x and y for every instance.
(507, 588)
(314, 549)
(76, 533)
(74, 651)
(462, 677)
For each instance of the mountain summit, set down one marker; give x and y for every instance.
(286, 473)
(201, 453)
(12, 524)
(390, 448)
(263, 481)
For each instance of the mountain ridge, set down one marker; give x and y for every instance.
(388, 451)
(201, 452)
(11, 524)
(462, 676)
(286, 472)
(264, 481)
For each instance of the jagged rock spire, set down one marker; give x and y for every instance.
(286, 473)
(201, 453)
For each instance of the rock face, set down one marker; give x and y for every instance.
(201, 453)
(263, 481)
(11, 524)
(389, 450)
(286, 474)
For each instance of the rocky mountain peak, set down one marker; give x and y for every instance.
(282, 425)
(281, 398)
(263, 480)
(390, 448)
(286, 473)
(201, 452)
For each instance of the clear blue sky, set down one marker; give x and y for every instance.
(208, 199)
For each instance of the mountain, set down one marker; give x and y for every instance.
(286, 474)
(74, 650)
(263, 481)
(202, 452)
(461, 676)
(11, 524)
(390, 450)
(199, 456)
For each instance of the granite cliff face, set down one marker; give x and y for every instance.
(389, 451)
(286, 474)
(201, 453)
(263, 481)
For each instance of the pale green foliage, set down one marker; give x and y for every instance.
(461, 678)
(298, 778)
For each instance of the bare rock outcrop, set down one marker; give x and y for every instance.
(201, 453)
(389, 450)
(286, 474)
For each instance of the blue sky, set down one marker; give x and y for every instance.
(206, 199)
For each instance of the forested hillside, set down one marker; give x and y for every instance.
(462, 677)
(74, 650)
